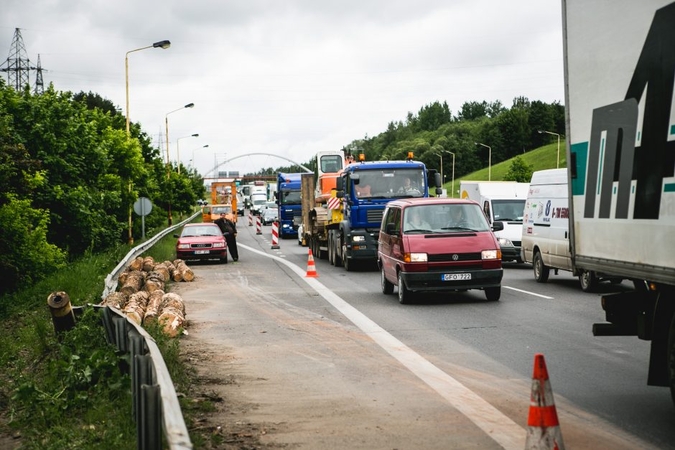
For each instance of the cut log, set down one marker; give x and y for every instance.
(136, 305)
(154, 305)
(148, 264)
(171, 321)
(133, 283)
(116, 300)
(171, 300)
(136, 264)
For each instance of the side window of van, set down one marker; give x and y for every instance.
(486, 210)
(392, 220)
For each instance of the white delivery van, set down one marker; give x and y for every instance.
(545, 232)
(502, 201)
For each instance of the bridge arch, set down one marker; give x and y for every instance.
(214, 171)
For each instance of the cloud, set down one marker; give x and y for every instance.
(290, 77)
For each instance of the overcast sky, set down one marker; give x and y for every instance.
(288, 77)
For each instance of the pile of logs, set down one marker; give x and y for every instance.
(142, 297)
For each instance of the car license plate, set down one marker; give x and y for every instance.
(456, 276)
(201, 252)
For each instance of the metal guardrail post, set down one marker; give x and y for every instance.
(140, 370)
(150, 428)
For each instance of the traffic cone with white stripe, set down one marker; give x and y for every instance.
(543, 428)
(311, 268)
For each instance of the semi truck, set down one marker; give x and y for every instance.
(288, 199)
(502, 201)
(342, 222)
(619, 60)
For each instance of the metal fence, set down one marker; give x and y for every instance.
(155, 404)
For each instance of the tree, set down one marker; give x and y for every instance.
(519, 171)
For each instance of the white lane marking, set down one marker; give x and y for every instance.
(528, 292)
(493, 422)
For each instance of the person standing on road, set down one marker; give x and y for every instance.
(229, 228)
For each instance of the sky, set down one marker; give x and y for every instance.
(287, 77)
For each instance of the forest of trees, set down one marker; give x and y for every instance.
(69, 174)
(434, 130)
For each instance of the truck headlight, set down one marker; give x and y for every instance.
(358, 239)
(491, 254)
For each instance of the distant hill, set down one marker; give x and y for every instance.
(538, 159)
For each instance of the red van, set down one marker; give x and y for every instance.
(438, 244)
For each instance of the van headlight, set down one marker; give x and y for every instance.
(505, 242)
(491, 254)
(415, 257)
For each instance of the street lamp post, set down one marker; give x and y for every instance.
(178, 148)
(159, 44)
(166, 122)
(193, 155)
(557, 165)
(489, 159)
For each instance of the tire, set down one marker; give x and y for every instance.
(404, 295)
(671, 359)
(387, 286)
(337, 256)
(493, 293)
(331, 255)
(541, 272)
(223, 260)
(588, 281)
(345, 260)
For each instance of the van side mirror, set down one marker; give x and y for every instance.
(497, 225)
(390, 228)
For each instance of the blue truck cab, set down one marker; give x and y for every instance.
(290, 207)
(365, 189)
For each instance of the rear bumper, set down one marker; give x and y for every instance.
(433, 281)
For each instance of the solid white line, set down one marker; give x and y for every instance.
(493, 422)
(528, 292)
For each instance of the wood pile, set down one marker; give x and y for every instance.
(142, 296)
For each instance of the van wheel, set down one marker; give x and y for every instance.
(493, 293)
(588, 281)
(540, 270)
(404, 295)
(387, 286)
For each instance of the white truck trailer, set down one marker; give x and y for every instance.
(502, 201)
(620, 115)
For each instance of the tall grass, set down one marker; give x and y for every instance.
(67, 391)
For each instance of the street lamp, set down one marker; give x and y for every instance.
(178, 147)
(166, 121)
(489, 159)
(159, 44)
(453, 168)
(193, 155)
(557, 165)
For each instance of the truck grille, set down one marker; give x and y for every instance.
(374, 215)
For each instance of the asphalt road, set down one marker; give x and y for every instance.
(342, 365)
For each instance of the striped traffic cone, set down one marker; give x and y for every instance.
(543, 429)
(311, 269)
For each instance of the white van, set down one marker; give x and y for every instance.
(501, 201)
(545, 241)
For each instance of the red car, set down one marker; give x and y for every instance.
(201, 241)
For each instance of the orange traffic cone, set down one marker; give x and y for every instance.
(311, 269)
(543, 429)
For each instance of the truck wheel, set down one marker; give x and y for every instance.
(540, 270)
(337, 256)
(588, 281)
(387, 286)
(331, 255)
(404, 295)
(493, 293)
(671, 358)
(345, 259)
